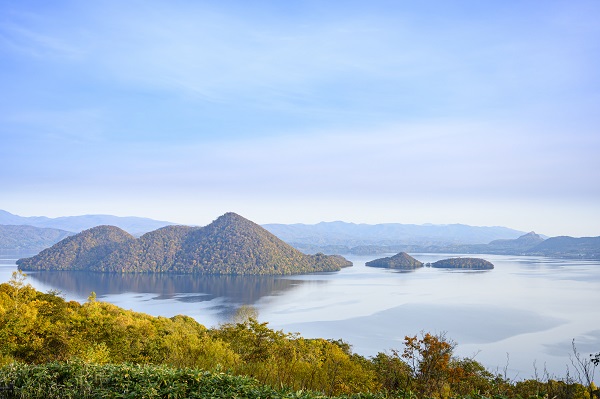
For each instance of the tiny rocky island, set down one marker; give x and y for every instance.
(463, 263)
(401, 261)
(229, 245)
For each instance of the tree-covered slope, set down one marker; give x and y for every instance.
(463, 263)
(401, 260)
(234, 245)
(155, 251)
(51, 348)
(79, 252)
(229, 245)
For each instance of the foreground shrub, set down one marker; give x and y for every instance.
(78, 380)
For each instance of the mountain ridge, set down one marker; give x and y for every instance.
(132, 224)
(353, 234)
(530, 244)
(336, 237)
(22, 238)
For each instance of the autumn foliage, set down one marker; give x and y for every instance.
(43, 329)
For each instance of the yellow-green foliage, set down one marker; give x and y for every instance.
(37, 328)
(79, 252)
(284, 359)
(42, 328)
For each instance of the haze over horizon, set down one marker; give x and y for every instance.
(467, 112)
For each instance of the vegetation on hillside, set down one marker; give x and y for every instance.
(79, 251)
(401, 260)
(229, 245)
(463, 263)
(53, 348)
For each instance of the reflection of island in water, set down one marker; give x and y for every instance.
(184, 288)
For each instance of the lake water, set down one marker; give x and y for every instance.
(527, 310)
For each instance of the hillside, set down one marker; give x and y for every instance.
(463, 263)
(229, 245)
(524, 242)
(401, 260)
(133, 225)
(29, 238)
(564, 246)
(78, 252)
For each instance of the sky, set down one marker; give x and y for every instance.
(478, 112)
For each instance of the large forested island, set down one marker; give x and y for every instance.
(402, 261)
(229, 245)
(463, 263)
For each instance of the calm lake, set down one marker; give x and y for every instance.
(524, 313)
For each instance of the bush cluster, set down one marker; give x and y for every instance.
(53, 348)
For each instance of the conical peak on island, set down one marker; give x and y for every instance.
(233, 222)
(230, 217)
(231, 244)
(401, 260)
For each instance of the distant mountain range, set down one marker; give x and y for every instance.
(75, 224)
(325, 237)
(229, 245)
(532, 244)
(305, 237)
(28, 238)
(352, 235)
(527, 244)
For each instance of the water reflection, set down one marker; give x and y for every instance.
(182, 288)
(531, 308)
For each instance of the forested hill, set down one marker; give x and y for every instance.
(80, 251)
(463, 263)
(401, 260)
(229, 245)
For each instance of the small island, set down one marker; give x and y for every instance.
(402, 261)
(463, 263)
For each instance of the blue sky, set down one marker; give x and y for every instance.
(483, 113)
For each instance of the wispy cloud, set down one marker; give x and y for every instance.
(21, 37)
